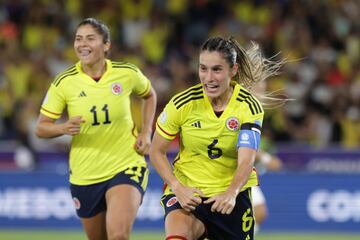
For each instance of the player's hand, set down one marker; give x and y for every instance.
(188, 197)
(223, 203)
(143, 142)
(72, 126)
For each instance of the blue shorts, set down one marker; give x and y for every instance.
(90, 200)
(237, 225)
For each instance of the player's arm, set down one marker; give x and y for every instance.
(248, 144)
(246, 159)
(187, 197)
(47, 128)
(144, 139)
(225, 202)
(270, 161)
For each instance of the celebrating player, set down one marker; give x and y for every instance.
(108, 173)
(208, 191)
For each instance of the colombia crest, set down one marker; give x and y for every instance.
(233, 124)
(116, 88)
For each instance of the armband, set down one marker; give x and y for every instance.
(249, 136)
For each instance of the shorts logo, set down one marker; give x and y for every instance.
(232, 124)
(171, 202)
(76, 203)
(116, 88)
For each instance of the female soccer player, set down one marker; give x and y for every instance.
(208, 191)
(108, 173)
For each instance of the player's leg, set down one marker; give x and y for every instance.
(179, 224)
(123, 202)
(123, 199)
(259, 204)
(90, 206)
(182, 225)
(95, 227)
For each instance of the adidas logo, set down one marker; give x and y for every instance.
(196, 124)
(82, 94)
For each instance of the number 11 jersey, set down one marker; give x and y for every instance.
(105, 145)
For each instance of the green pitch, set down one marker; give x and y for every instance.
(76, 235)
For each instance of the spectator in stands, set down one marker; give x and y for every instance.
(108, 173)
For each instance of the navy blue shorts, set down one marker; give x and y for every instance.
(237, 225)
(90, 200)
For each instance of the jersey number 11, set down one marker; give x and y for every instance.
(94, 112)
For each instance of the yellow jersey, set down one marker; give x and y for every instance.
(105, 144)
(207, 157)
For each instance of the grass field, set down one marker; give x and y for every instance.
(76, 235)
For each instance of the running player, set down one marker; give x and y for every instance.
(108, 173)
(208, 190)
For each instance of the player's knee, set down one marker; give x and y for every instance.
(119, 235)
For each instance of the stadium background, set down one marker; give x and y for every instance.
(317, 136)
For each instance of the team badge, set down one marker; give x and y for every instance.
(76, 203)
(171, 202)
(232, 124)
(116, 88)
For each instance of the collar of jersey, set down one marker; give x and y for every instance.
(91, 81)
(225, 113)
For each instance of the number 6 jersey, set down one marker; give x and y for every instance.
(105, 145)
(207, 158)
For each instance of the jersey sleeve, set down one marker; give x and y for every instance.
(168, 123)
(142, 84)
(53, 103)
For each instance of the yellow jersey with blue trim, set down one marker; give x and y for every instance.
(105, 144)
(207, 157)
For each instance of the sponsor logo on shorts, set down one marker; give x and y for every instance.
(171, 202)
(76, 203)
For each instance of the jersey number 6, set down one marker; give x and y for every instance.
(214, 152)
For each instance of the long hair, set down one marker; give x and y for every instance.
(253, 67)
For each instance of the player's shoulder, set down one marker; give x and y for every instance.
(188, 96)
(124, 66)
(65, 75)
(248, 100)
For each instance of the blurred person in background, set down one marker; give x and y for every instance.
(264, 161)
(208, 191)
(108, 172)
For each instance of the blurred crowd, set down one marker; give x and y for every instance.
(319, 39)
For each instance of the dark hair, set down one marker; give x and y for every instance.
(252, 66)
(99, 26)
